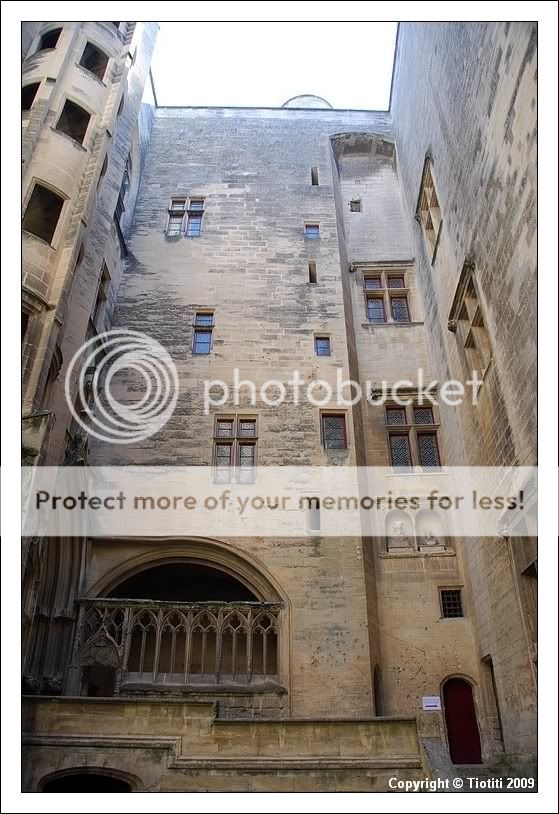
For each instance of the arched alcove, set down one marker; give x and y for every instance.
(85, 780)
(183, 582)
(461, 723)
(430, 529)
(399, 530)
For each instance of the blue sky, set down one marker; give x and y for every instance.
(264, 64)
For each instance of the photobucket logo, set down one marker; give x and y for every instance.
(344, 393)
(151, 374)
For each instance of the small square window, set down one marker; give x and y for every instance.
(73, 121)
(312, 231)
(395, 415)
(204, 319)
(396, 282)
(451, 603)
(94, 61)
(224, 428)
(49, 40)
(247, 428)
(322, 345)
(334, 431)
(375, 309)
(371, 283)
(355, 205)
(178, 205)
(196, 205)
(42, 213)
(423, 415)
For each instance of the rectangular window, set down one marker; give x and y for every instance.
(355, 205)
(371, 283)
(28, 94)
(195, 213)
(428, 450)
(247, 459)
(73, 121)
(400, 453)
(223, 462)
(429, 210)
(471, 327)
(375, 309)
(42, 213)
(203, 329)
(238, 454)
(395, 416)
(94, 61)
(396, 282)
(49, 39)
(334, 431)
(322, 345)
(451, 603)
(314, 176)
(312, 272)
(101, 299)
(312, 231)
(399, 308)
(177, 211)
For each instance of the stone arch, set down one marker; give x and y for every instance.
(461, 718)
(78, 772)
(202, 551)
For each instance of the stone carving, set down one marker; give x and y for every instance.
(99, 651)
(398, 539)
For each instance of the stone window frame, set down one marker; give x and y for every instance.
(90, 125)
(60, 225)
(101, 296)
(321, 335)
(311, 235)
(89, 40)
(412, 430)
(48, 30)
(428, 209)
(387, 293)
(235, 441)
(337, 414)
(173, 211)
(201, 327)
(466, 320)
(454, 588)
(39, 85)
(194, 214)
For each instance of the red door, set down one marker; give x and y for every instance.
(461, 723)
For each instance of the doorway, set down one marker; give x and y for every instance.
(461, 722)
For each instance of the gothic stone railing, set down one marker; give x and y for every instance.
(173, 643)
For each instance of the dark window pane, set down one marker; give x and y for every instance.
(372, 282)
(94, 61)
(400, 312)
(422, 415)
(428, 449)
(451, 604)
(28, 94)
(395, 415)
(50, 39)
(225, 428)
(375, 310)
(202, 341)
(42, 213)
(178, 204)
(73, 121)
(247, 428)
(196, 205)
(396, 282)
(400, 451)
(333, 431)
(322, 346)
(355, 205)
(312, 231)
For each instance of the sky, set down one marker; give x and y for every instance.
(264, 64)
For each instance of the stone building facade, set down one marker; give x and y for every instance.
(371, 243)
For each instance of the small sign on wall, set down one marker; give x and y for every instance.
(431, 703)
